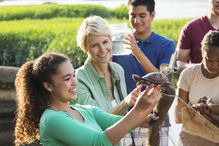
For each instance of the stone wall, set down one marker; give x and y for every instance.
(7, 105)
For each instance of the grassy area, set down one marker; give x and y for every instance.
(26, 39)
(48, 11)
(167, 27)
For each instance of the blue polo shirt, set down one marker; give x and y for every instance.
(158, 50)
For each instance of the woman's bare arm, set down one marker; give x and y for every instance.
(183, 95)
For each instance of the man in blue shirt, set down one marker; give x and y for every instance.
(150, 52)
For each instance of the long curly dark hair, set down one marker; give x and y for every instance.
(32, 98)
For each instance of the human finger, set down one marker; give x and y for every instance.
(152, 94)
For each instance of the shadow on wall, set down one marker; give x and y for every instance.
(7, 105)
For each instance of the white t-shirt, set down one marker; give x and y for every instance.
(193, 81)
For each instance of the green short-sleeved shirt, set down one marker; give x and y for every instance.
(58, 128)
(92, 88)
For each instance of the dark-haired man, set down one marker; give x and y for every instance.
(156, 52)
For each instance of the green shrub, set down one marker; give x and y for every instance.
(51, 11)
(48, 11)
(169, 28)
(27, 39)
(120, 12)
(30, 38)
(16, 48)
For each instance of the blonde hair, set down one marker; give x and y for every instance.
(93, 25)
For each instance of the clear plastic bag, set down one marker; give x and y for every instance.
(119, 31)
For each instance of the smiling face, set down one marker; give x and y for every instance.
(214, 6)
(211, 62)
(99, 48)
(210, 54)
(140, 18)
(63, 83)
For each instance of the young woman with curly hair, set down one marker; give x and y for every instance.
(44, 89)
